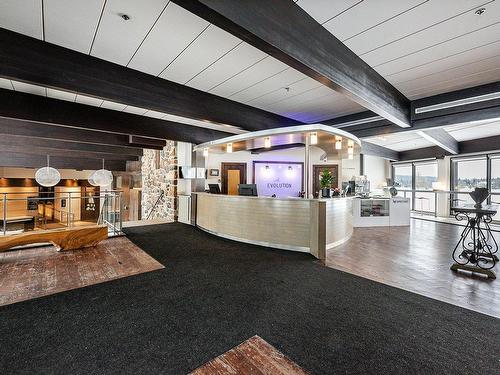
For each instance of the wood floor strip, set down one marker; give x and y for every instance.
(254, 356)
(37, 272)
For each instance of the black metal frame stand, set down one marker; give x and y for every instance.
(476, 249)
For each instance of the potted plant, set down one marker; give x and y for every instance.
(325, 183)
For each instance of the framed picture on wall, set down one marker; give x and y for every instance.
(214, 173)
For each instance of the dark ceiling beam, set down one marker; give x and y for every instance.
(368, 148)
(79, 136)
(480, 145)
(441, 138)
(25, 160)
(29, 107)
(360, 118)
(286, 32)
(432, 122)
(26, 145)
(458, 101)
(31, 60)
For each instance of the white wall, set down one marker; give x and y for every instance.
(377, 170)
(213, 161)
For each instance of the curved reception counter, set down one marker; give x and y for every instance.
(306, 225)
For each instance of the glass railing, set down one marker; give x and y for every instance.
(32, 210)
(427, 201)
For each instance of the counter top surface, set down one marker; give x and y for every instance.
(265, 197)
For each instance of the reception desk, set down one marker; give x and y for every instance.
(306, 225)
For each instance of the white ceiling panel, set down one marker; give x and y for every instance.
(135, 110)
(276, 82)
(458, 45)
(29, 88)
(88, 100)
(154, 114)
(61, 95)
(366, 15)
(173, 32)
(466, 132)
(116, 39)
(450, 74)
(467, 57)
(237, 60)
(22, 16)
(210, 46)
(456, 84)
(290, 90)
(324, 10)
(249, 77)
(417, 28)
(6, 84)
(400, 141)
(72, 23)
(112, 105)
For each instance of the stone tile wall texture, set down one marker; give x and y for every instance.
(159, 174)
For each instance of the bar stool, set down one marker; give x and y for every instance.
(422, 199)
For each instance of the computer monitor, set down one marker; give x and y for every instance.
(249, 190)
(214, 188)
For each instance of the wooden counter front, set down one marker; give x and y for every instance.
(307, 225)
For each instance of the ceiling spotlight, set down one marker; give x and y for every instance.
(314, 138)
(267, 142)
(229, 148)
(125, 17)
(480, 11)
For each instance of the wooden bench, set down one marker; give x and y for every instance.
(62, 239)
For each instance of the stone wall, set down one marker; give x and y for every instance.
(159, 174)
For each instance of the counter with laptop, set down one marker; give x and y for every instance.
(292, 223)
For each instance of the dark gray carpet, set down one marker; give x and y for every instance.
(214, 294)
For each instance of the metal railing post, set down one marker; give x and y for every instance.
(4, 213)
(121, 210)
(435, 203)
(69, 210)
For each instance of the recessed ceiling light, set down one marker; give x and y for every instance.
(126, 17)
(480, 11)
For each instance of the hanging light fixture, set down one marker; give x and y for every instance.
(101, 177)
(338, 143)
(267, 142)
(205, 152)
(314, 138)
(47, 176)
(229, 148)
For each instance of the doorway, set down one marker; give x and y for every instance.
(232, 175)
(318, 169)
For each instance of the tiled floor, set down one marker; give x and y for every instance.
(418, 259)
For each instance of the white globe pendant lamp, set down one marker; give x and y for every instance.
(47, 176)
(101, 177)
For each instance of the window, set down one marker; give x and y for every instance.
(425, 175)
(403, 179)
(495, 182)
(403, 176)
(467, 174)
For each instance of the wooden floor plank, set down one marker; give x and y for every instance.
(252, 357)
(418, 259)
(37, 272)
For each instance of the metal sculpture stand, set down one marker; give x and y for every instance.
(476, 250)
